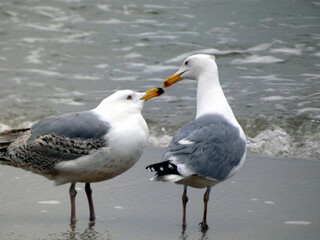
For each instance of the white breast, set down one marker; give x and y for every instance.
(126, 141)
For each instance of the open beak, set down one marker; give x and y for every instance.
(171, 80)
(154, 92)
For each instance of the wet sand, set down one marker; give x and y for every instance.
(269, 198)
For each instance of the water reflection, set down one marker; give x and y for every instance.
(202, 235)
(89, 233)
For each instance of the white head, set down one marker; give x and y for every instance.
(210, 97)
(192, 68)
(127, 101)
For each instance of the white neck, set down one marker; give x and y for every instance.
(210, 97)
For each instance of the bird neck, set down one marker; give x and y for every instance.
(210, 97)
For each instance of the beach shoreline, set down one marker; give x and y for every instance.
(269, 198)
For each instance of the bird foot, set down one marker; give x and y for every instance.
(73, 224)
(91, 223)
(184, 227)
(203, 227)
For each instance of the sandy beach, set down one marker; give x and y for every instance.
(269, 198)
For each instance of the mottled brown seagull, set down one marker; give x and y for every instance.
(89, 146)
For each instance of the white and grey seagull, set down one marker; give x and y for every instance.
(88, 146)
(209, 149)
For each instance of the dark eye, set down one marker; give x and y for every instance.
(186, 63)
(129, 97)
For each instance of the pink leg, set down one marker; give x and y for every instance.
(184, 206)
(89, 196)
(73, 194)
(203, 225)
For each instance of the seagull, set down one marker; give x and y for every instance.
(89, 146)
(209, 149)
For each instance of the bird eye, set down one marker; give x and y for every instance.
(129, 97)
(186, 63)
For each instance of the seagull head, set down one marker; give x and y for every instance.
(128, 101)
(192, 68)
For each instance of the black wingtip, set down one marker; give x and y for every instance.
(163, 168)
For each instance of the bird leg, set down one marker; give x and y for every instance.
(89, 196)
(203, 225)
(73, 194)
(184, 206)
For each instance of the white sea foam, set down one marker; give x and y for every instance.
(66, 101)
(76, 37)
(110, 21)
(153, 6)
(159, 141)
(43, 72)
(49, 202)
(271, 142)
(297, 222)
(132, 55)
(317, 54)
(48, 11)
(158, 68)
(33, 40)
(267, 20)
(48, 27)
(85, 77)
(153, 35)
(126, 78)
(287, 51)
(149, 22)
(310, 109)
(260, 47)
(277, 98)
(4, 127)
(275, 141)
(258, 59)
(214, 51)
(34, 56)
(101, 66)
(104, 7)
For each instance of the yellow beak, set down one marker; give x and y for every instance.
(171, 80)
(154, 92)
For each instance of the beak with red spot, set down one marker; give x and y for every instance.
(154, 92)
(172, 79)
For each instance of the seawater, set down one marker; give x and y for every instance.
(67, 55)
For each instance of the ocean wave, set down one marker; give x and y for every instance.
(44, 27)
(258, 59)
(66, 101)
(214, 51)
(267, 136)
(287, 51)
(279, 143)
(272, 143)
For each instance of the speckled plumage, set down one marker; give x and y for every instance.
(88, 146)
(41, 153)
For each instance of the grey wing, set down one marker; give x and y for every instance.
(82, 125)
(59, 138)
(208, 147)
